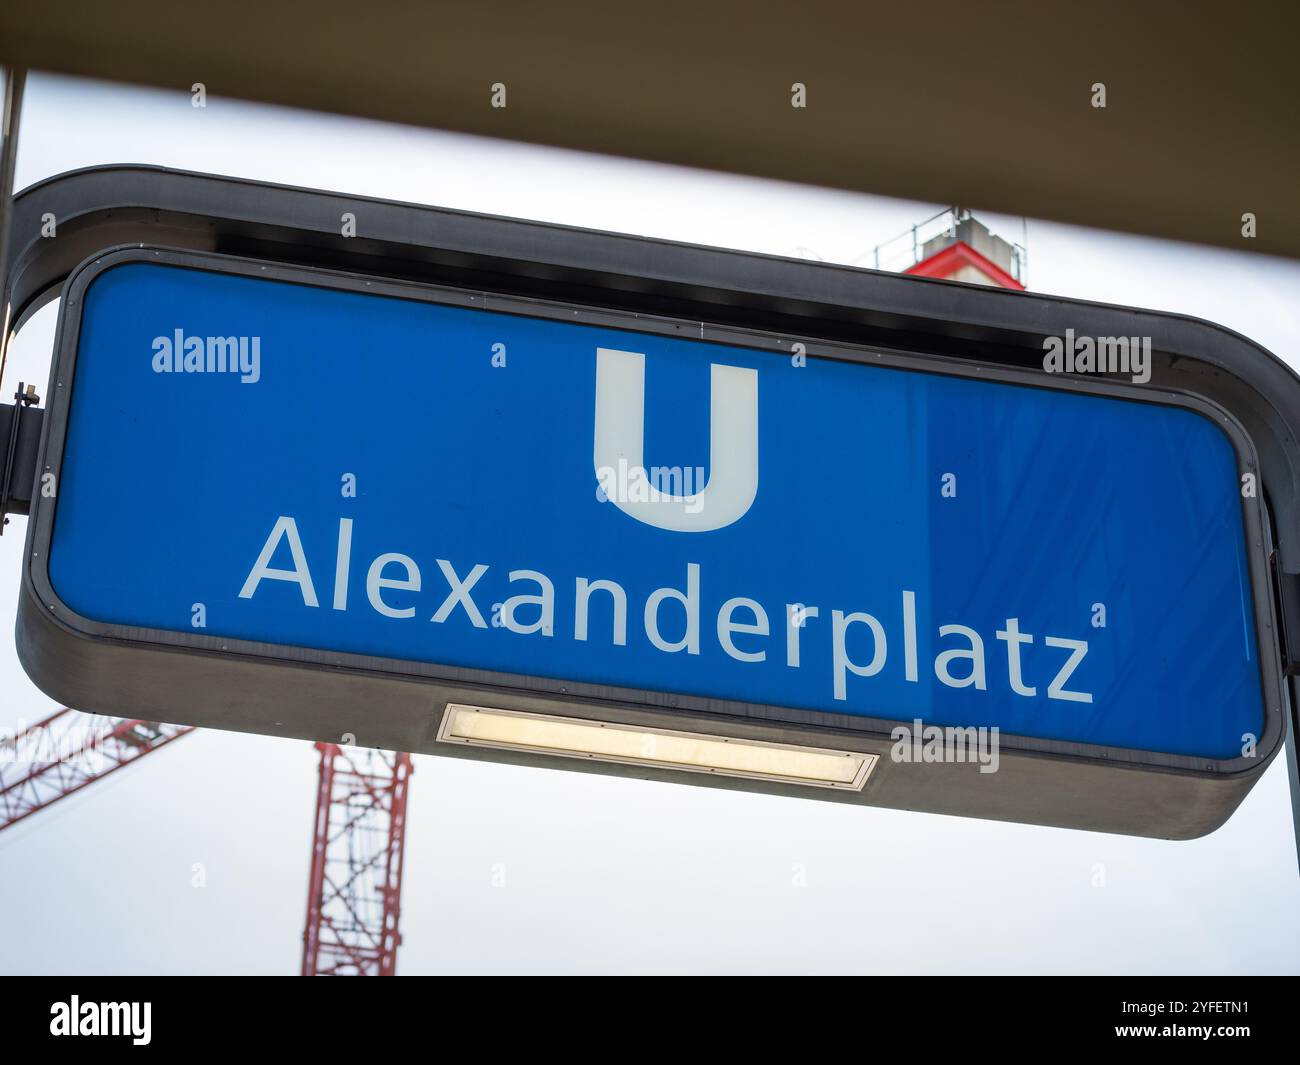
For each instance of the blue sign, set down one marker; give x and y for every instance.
(537, 495)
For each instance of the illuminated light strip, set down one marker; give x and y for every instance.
(513, 730)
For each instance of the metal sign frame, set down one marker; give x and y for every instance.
(652, 286)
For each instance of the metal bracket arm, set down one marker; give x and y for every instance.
(20, 437)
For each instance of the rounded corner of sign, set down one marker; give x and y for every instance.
(1224, 340)
(1208, 826)
(42, 600)
(1226, 422)
(1271, 742)
(82, 276)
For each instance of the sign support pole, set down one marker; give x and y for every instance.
(15, 81)
(1293, 762)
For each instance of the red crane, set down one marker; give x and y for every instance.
(355, 886)
(68, 751)
(354, 891)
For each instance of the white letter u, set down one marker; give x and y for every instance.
(733, 443)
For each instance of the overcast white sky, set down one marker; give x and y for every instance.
(603, 874)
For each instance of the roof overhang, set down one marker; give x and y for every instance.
(1198, 128)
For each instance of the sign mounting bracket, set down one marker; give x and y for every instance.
(20, 435)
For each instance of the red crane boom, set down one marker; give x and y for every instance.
(68, 751)
(355, 886)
